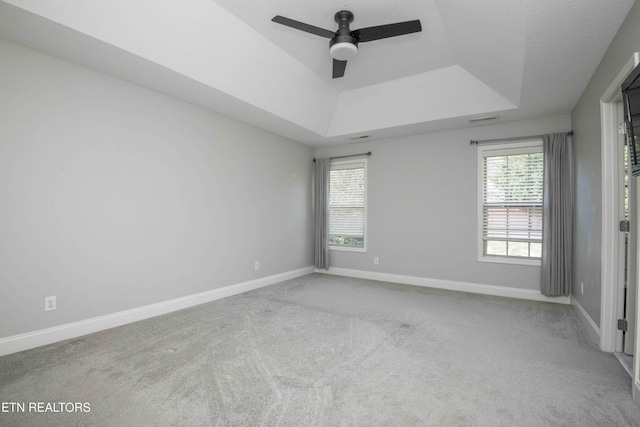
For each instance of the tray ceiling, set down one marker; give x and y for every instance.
(513, 58)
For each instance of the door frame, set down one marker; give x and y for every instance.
(611, 171)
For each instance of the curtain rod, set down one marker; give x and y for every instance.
(520, 138)
(368, 154)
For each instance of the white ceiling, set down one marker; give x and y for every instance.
(511, 58)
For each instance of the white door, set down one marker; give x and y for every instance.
(632, 270)
(630, 209)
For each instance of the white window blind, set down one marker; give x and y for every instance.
(347, 203)
(512, 202)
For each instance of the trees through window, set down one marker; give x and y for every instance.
(511, 197)
(347, 204)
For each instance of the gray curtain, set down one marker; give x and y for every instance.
(321, 213)
(557, 217)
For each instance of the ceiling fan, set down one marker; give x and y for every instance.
(343, 44)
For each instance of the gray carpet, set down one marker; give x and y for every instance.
(325, 350)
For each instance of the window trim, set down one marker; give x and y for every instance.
(511, 147)
(366, 201)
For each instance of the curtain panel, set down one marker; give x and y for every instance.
(557, 220)
(321, 213)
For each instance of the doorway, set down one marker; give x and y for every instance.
(627, 253)
(612, 248)
(611, 339)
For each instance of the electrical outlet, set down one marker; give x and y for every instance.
(376, 260)
(50, 303)
(581, 288)
(257, 265)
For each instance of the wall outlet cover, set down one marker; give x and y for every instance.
(50, 303)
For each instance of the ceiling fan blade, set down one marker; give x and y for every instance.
(303, 27)
(338, 68)
(385, 31)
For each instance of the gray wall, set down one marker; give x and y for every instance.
(422, 206)
(113, 196)
(587, 144)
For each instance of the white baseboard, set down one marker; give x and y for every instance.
(41, 337)
(476, 288)
(588, 319)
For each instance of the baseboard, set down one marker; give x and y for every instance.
(593, 327)
(476, 288)
(42, 337)
(636, 392)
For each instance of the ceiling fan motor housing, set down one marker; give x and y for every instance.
(343, 46)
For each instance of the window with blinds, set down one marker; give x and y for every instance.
(512, 191)
(347, 204)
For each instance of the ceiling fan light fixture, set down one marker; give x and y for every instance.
(343, 43)
(343, 51)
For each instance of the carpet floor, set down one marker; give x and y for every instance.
(323, 350)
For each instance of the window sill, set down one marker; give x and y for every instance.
(347, 249)
(507, 260)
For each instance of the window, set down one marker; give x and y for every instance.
(347, 205)
(511, 188)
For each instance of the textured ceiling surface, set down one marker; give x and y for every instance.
(512, 58)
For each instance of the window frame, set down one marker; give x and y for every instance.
(520, 147)
(366, 199)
